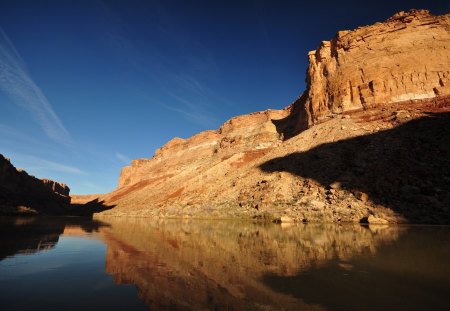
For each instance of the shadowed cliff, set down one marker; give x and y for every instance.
(21, 193)
(406, 169)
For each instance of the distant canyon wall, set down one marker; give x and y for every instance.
(405, 58)
(23, 193)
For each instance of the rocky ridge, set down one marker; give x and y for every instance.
(250, 134)
(341, 152)
(21, 193)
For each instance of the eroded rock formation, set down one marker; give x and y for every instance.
(405, 58)
(250, 133)
(372, 82)
(23, 193)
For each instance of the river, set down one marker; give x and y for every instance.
(149, 264)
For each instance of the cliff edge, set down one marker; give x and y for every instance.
(367, 141)
(405, 58)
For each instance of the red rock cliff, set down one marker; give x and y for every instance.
(251, 132)
(376, 87)
(405, 58)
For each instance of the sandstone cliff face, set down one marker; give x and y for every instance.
(373, 94)
(22, 193)
(254, 132)
(405, 58)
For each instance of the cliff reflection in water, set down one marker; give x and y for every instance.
(29, 235)
(221, 265)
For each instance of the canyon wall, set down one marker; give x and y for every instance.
(405, 58)
(254, 132)
(340, 152)
(23, 193)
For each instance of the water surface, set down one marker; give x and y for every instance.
(141, 264)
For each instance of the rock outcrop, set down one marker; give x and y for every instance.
(388, 83)
(406, 58)
(23, 193)
(253, 133)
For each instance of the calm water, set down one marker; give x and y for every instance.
(141, 264)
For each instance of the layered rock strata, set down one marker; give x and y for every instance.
(405, 58)
(251, 134)
(387, 82)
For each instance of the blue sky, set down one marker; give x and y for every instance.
(86, 86)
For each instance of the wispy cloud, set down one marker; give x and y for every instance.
(32, 163)
(54, 166)
(18, 84)
(192, 111)
(195, 117)
(123, 158)
(17, 136)
(91, 187)
(188, 83)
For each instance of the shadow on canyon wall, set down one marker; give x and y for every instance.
(295, 122)
(89, 208)
(406, 168)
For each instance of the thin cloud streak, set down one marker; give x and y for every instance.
(92, 186)
(123, 158)
(188, 82)
(17, 136)
(195, 117)
(194, 103)
(16, 82)
(33, 163)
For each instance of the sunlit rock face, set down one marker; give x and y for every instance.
(23, 193)
(388, 82)
(220, 265)
(241, 134)
(405, 58)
